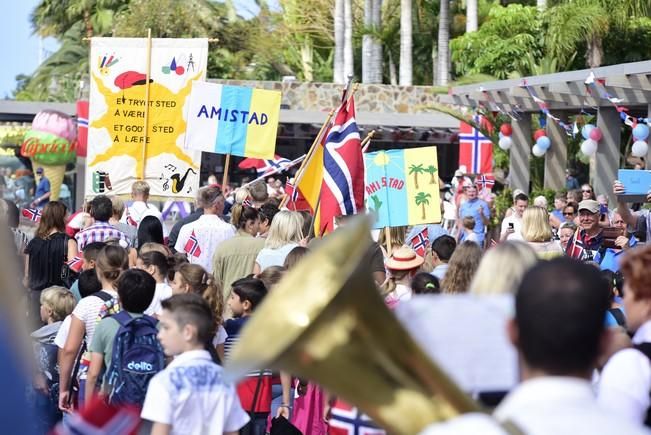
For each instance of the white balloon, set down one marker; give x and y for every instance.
(537, 151)
(640, 148)
(589, 147)
(505, 142)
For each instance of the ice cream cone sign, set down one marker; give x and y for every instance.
(51, 143)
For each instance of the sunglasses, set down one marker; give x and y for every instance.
(586, 191)
(567, 213)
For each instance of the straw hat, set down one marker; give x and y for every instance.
(404, 258)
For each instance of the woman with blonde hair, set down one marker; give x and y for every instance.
(285, 233)
(537, 232)
(397, 235)
(502, 268)
(461, 268)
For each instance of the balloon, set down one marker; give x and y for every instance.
(585, 131)
(640, 148)
(537, 151)
(543, 143)
(505, 142)
(641, 132)
(589, 147)
(596, 134)
(539, 133)
(506, 129)
(500, 134)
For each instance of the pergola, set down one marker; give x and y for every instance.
(565, 94)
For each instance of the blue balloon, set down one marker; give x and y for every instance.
(543, 142)
(585, 131)
(641, 132)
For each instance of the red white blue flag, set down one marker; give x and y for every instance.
(82, 127)
(475, 149)
(420, 242)
(342, 188)
(192, 246)
(33, 214)
(485, 181)
(76, 263)
(98, 417)
(264, 166)
(349, 420)
(130, 220)
(296, 201)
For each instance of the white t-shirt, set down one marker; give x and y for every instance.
(163, 291)
(220, 337)
(517, 227)
(87, 310)
(191, 396)
(62, 333)
(268, 257)
(210, 231)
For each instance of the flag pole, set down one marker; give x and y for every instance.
(274, 171)
(308, 157)
(387, 237)
(367, 140)
(146, 128)
(227, 163)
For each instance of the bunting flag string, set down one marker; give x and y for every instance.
(544, 108)
(514, 115)
(598, 85)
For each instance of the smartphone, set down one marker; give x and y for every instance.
(510, 225)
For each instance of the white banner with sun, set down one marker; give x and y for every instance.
(119, 152)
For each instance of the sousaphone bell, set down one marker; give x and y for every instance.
(325, 321)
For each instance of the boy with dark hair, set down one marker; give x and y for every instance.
(88, 256)
(442, 249)
(117, 336)
(178, 401)
(101, 210)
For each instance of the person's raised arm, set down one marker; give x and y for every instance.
(622, 207)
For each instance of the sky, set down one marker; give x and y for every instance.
(20, 48)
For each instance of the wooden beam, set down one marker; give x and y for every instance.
(519, 167)
(607, 158)
(556, 155)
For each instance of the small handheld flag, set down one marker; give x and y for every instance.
(192, 246)
(420, 242)
(76, 263)
(485, 181)
(33, 214)
(130, 220)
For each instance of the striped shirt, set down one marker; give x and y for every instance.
(100, 232)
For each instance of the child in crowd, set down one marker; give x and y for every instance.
(271, 276)
(158, 266)
(56, 304)
(136, 289)
(178, 401)
(246, 295)
(424, 283)
(565, 233)
(89, 257)
(111, 262)
(192, 278)
(469, 229)
(402, 266)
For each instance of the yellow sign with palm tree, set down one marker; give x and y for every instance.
(402, 186)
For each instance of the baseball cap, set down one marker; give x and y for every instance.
(589, 204)
(39, 170)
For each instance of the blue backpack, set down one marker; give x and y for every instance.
(137, 357)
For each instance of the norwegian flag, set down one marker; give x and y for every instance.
(76, 263)
(264, 166)
(130, 220)
(420, 242)
(342, 188)
(192, 246)
(33, 214)
(98, 417)
(575, 247)
(296, 201)
(82, 128)
(247, 202)
(475, 149)
(485, 181)
(349, 420)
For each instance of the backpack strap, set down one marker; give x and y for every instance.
(103, 295)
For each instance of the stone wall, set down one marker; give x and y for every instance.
(368, 98)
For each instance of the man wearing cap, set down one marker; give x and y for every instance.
(587, 240)
(42, 194)
(478, 209)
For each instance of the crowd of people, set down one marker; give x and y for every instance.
(152, 312)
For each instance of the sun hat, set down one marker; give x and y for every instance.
(404, 258)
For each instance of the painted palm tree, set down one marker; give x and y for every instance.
(406, 69)
(431, 170)
(416, 169)
(422, 199)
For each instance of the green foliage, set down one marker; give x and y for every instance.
(630, 43)
(507, 37)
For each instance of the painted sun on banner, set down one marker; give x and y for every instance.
(402, 186)
(118, 154)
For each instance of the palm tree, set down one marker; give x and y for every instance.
(541, 5)
(471, 16)
(422, 199)
(406, 72)
(416, 169)
(338, 73)
(443, 48)
(371, 43)
(431, 170)
(349, 66)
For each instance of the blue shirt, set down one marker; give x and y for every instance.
(558, 214)
(42, 188)
(476, 208)
(610, 260)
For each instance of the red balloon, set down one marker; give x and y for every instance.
(506, 129)
(595, 134)
(539, 133)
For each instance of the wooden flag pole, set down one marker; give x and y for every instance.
(367, 140)
(308, 157)
(226, 166)
(387, 236)
(146, 127)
